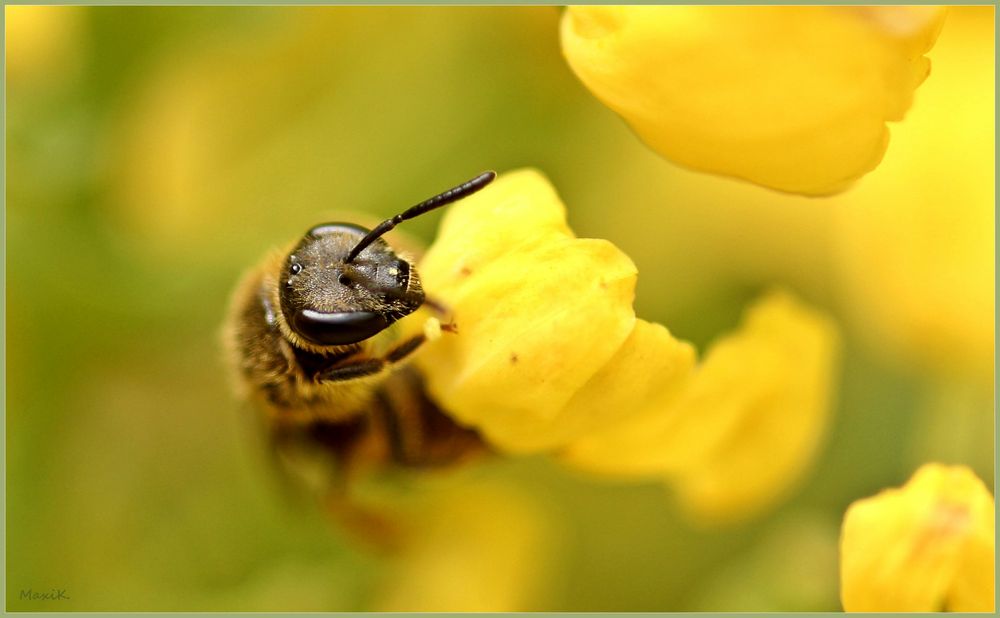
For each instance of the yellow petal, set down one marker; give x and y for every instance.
(538, 313)
(520, 210)
(746, 425)
(926, 547)
(775, 378)
(650, 365)
(792, 98)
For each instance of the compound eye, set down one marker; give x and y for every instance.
(325, 229)
(341, 328)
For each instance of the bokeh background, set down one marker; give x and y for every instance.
(154, 154)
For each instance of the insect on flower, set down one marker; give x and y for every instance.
(310, 336)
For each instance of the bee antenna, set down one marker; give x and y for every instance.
(451, 195)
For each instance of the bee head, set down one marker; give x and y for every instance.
(329, 300)
(343, 284)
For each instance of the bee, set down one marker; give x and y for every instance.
(311, 338)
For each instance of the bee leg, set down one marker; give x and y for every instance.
(393, 430)
(405, 348)
(371, 366)
(373, 528)
(417, 433)
(352, 371)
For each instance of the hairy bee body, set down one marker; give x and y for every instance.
(369, 420)
(276, 373)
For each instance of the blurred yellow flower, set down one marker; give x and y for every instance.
(792, 98)
(43, 43)
(926, 547)
(469, 545)
(549, 356)
(916, 241)
(745, 426)
(189, 161)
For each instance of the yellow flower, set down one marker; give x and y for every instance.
(916, 241)
(792, 98)
(746, 425)
(539, 314)
(42, 44)
(549, 357)
(470, 545)
(926, 547)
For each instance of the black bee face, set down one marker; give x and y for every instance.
(329, 301)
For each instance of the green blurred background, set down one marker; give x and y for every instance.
(153, 154)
